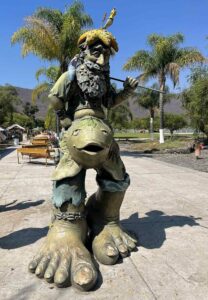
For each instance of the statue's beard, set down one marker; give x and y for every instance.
(92, 79)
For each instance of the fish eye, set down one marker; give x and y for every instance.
(104, 131)
(76, 132)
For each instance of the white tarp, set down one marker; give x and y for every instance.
(15, 125)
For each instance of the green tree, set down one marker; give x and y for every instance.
(8, 99)
(52, 35)
(174, 122)
(165, 59)
(149, 100)
(23, 120)
(30, 110)
(120, 117)
(50, 119)
(195, 100)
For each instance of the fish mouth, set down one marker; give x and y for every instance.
(91, 148)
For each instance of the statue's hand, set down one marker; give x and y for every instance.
(66, 122)
(130, 83)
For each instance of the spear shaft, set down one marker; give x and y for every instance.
(139, 86)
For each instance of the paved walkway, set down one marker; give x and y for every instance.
(166, 205)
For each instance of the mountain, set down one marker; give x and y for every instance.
(26, 96)
(174, 106)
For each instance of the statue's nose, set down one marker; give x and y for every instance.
(101, 60)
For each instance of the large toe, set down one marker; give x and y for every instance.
(105, 252)
(121, 247)
(84, 276)
(111, 250)
(52, 267)
(62, 274)
(40, 270)
(130, 242)
(34, 263)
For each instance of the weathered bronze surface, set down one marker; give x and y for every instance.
(81, 97)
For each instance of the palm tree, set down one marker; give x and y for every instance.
(42, 89)
(50, 74)
(165, 59)
(149, 100)
(52, 35)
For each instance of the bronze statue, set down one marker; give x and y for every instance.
(81, 97)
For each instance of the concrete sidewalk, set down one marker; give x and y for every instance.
(166, 205)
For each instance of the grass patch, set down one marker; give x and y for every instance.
(175, 143)
(131, 135)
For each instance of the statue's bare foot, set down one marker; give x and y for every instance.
(63, 257)
(112, 242)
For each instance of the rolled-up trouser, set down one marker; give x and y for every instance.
(72, 189)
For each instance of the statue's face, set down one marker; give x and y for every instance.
(98, 53)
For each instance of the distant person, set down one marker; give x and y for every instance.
(197, 149)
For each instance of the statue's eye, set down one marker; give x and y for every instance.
(76, 132)
(96, 53)
(104, 131)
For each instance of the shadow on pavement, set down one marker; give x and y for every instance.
(33, 162)
(24, 293)
(22, 237)
(150, 230)
(20, 205)
(6, 152)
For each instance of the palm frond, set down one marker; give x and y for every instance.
(76, 10)
(141, 60)
(37, 37)
(173, 69)
(52, 16)
(50, 73)
(39, 90)
(144, 77)
(189, 56)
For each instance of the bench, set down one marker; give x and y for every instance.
(40, 142)
(35, 152)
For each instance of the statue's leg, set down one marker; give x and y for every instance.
(110, 240)
(63, 258)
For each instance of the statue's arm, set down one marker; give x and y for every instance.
(58, 97)
(130, 85)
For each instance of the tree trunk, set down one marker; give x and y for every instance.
(161, 107)
(63, 69)
(151, 124)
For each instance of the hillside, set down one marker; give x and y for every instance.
(173, 106)
(25, 96)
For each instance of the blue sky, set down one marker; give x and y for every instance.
(135, 20)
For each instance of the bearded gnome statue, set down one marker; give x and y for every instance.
(81, 97)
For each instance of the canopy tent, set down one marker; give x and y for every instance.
(16, 126)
